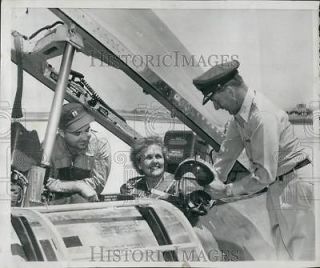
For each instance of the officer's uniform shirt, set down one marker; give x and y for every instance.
(265, 133)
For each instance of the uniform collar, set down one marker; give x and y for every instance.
(244, 112)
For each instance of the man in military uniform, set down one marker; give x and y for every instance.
(276, 157)
(80, 161)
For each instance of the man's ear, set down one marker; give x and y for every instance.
(61, 133)
(231, 92)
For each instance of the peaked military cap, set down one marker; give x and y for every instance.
(74, 117)
(215, 77)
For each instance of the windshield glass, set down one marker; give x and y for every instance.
(115, 231)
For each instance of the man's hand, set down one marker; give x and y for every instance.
(217, 189)
(77, 186)
(87, 192)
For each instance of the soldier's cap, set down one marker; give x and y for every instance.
(212, 80)
(74, 117)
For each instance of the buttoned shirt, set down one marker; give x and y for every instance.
(96, 158)
(267, 136)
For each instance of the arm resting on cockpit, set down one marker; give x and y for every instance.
(100, 172)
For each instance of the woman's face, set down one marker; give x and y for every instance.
(152, 161)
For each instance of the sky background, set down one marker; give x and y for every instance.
(274, 47)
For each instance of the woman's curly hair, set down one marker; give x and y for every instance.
(141, 145)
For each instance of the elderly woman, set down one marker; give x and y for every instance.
(148, 156)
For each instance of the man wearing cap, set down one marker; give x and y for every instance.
(276, 157)
(80, 162)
